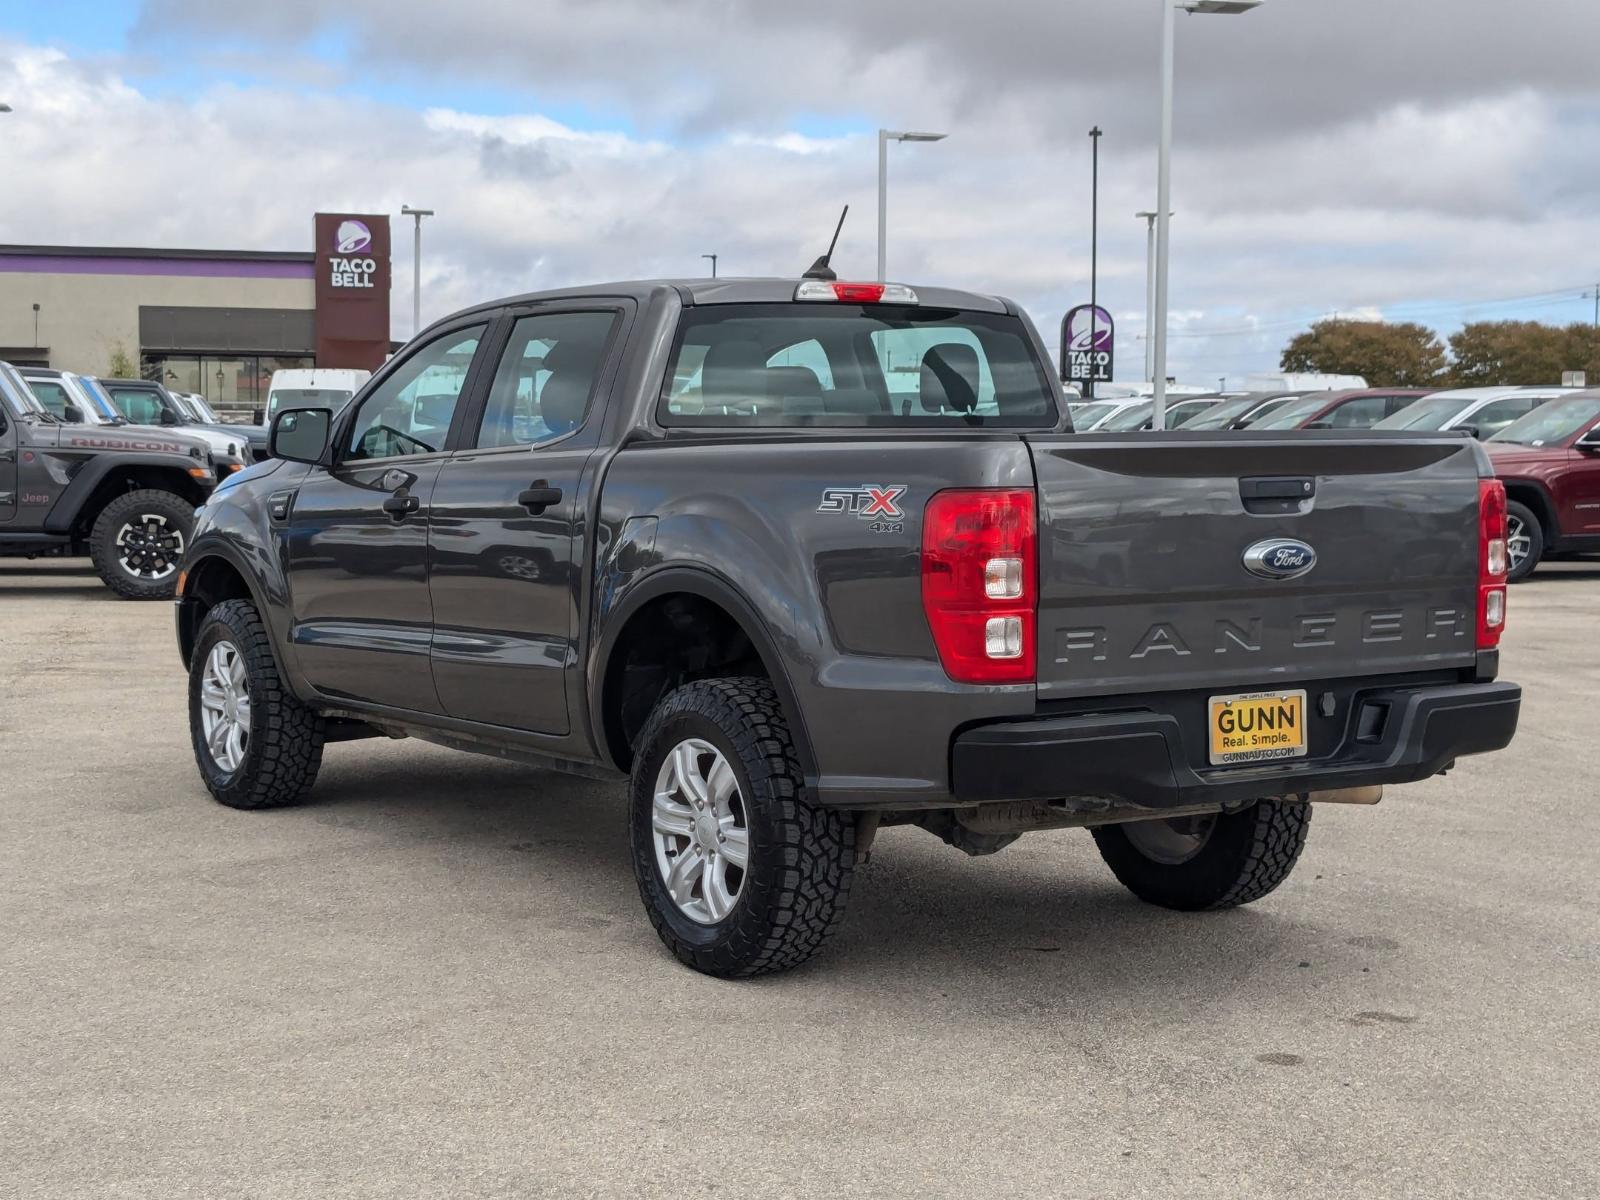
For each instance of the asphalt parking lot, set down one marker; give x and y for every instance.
(435, 978)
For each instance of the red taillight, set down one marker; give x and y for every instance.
(858, 293)
(980, 583)
(1492, 562)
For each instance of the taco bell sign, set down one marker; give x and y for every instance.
(352, 289)
(1088, 343)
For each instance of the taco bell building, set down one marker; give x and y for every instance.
(217, 322)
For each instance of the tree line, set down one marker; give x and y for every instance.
(1485, 353)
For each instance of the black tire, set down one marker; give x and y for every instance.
(283, 750)
(1515, 513)
(801, 857)
(1247, 855)
(176, 516)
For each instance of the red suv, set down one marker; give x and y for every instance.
(1550, 462)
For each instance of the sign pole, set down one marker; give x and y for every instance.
(1094, 248)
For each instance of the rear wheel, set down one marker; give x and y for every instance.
(1524, 540)
(740, 874)
(1217, 861)
(138, 541)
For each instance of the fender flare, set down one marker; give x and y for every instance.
(197, 556)
(1545, 510)
(696, 581)
(69, 504)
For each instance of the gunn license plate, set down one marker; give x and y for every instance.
(1257, 727)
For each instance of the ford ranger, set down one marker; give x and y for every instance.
(801, 559)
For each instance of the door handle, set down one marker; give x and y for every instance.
(539, 497)
(399, 506)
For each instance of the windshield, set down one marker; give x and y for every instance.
(1135, 416)
(1291, 416)
(51, 393)
(21, 395)
(1086, 416)
(1425, 414)
(334, 398)
(848, 365)
(141, 406)
(1221, 416)
(1553, 423)
(97, 396)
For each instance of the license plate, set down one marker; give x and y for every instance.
(1257, 727)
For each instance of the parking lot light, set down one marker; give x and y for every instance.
(885, 136)
(1169, 9)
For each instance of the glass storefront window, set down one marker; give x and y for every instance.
(232, 381)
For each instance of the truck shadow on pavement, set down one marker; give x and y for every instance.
(1039, 927)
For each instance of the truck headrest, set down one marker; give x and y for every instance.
(949, 380)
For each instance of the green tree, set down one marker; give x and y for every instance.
(1491, 353)
(122, 366)
(1387, 355)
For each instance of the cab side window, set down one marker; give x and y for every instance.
(546, 377)
(410, 412)
(137, 405)
(1494, 417)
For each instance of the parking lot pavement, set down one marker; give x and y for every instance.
(435, 978)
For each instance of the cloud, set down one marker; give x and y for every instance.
(1317, 170)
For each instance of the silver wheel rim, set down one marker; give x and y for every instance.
(1171, 842)
(1519, 543)
(225, 707)
(701, 836)
(150, 546)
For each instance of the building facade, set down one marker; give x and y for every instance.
(216, 322)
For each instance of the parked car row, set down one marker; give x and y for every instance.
(1544, 443)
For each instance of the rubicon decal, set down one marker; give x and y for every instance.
(869, 501)
(100, 443)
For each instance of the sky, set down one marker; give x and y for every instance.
(1432, 160)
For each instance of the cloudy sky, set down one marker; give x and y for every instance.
(1417, 159)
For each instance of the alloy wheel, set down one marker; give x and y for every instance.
(701, 833)
(150, 546)
(1519, 543)
(1171, 842)
(225, 707)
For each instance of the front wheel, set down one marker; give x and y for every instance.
(256, 745)
(1524, 541)
(740, 874)
(138, 541)
(1217, 861)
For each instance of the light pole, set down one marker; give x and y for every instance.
(416, 263)
(1169, 17)
(713, 259)
(885, 136)
(1149, 219)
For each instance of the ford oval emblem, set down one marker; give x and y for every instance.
(1279, 558)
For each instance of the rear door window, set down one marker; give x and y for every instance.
(794, 365)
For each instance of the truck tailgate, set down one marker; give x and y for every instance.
(1143, 585)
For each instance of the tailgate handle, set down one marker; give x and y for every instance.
(1281, 488)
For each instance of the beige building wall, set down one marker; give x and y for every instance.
(83, 319)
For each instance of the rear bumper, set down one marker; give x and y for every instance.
(1141, 758)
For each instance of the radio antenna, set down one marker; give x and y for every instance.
(821, 268)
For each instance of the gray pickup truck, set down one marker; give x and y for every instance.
(806, 558)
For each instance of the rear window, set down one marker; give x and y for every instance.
(845, 365)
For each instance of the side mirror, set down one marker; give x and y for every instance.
(300, 435)
(1320, 425)
(72, 415)
(1471, 431)
(1590, 440)
(168, 417)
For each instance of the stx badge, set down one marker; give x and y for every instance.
(878, 503)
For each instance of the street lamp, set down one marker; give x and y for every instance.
(5, 108)
(1169, 10)
(713, 259)
(1149, 219)
(885, 136)
(416, 264)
